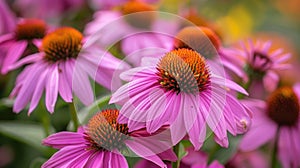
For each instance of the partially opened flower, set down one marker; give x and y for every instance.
(256, 62)
(102, 143)
(15, 43)
(180, 89)
(278, 118)
(64, 64)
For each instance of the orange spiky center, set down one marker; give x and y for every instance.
(141, 17)
(30, 29)
(105, 133)
(283, 106)
(197, 38)
(183, 70)
(62, 44)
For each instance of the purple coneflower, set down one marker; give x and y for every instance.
(277, 119)
(183, 91)
(25, 34)
(102, 143)
(256, 61)
(64, 64)
(137, 27)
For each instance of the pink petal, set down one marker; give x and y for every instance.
(64, 87)
(178, 130)
(81, 159)
(158, 100)
(26, 90)
(144, 152)
(227, 83)
(28, 59)
(96, 160)
(14, 53)
(52, 88)
(63, 139)
(264, 129)
(118, 161)
(82, 87)
(38, 92)
(215, 117)
(64, 156)
(270, 81)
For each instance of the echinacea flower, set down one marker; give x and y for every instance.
(26, 32)
(278, 117)
(136, 27)
(102, 143)
(64, 64)
(181, 90)
(256, 62)
(8, 19)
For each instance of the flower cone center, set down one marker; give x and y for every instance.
(197, 38)
(61, 44)
(183, 70)
(30, 29)
(105, 132)
(283, 106)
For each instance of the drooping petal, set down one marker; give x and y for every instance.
(27, 88)
(14, 53)
(82, 87)
(65, 88)
(52, 87)
(38, 92)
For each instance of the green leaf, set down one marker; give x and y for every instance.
(224, 154)
(182, 152)
(29, 133)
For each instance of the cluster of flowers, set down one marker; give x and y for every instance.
(177, 82)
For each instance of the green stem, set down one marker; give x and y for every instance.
(46, 122)
(246, 87)
(275, 149)
(74, 116)
(212, 152)
(176, 151)
(44, 117)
